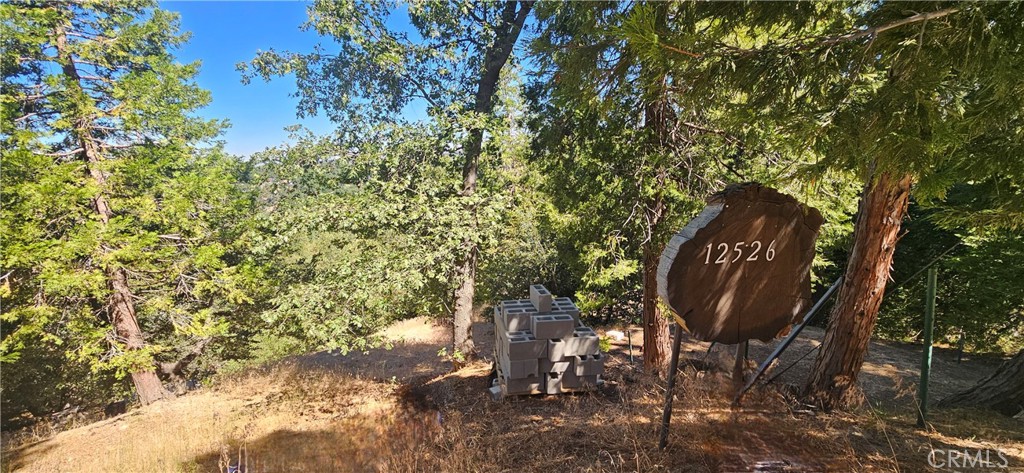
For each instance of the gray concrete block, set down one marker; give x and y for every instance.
(588, 365)
(517, 303)
(553, 382)
(584, 341)
(546, 327)
(541, 298)
(500, 326)
(580, 383)
(548, 366)
(556, 350)
(518, 320)
(533, 385)
(565, 305)
(520, 369)
(496, 393)
(523, 346)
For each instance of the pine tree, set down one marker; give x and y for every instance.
(110, 249)
(912, 102)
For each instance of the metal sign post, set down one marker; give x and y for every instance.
(792, 336)
(926, 358)
(673, 367)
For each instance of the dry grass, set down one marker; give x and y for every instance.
(326, 417)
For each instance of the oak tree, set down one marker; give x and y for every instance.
(452, 61)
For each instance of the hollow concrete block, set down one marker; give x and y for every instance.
(588, 365)
(556, 350)
(548, 366)
(520, 369)
(565, 305)
(523, 346)
(534, 385)
(546, 327)
(584, 341)
(517, 320)
(541, 298)
(580, 383)
(553, 382)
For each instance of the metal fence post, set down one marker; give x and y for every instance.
(926, 359)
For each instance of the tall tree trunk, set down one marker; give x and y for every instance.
(833, 381)
(495, 57)
(120, 304)
(1002, 392)
(656, 335)
(659, 120)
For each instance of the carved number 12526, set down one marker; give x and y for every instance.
(736, 253)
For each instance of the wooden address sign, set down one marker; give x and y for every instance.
(741, 269)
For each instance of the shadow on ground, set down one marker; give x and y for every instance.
(447, 423)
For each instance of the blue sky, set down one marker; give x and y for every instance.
(226, 33)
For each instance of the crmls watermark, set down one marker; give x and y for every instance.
(967, 458)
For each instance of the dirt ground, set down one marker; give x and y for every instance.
(889, 376)
(405, 409)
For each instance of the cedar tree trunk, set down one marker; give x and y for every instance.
(495, 57)
(656, 335)
(1002, 392)
(658, 121)
(120, 305)
(833, 381)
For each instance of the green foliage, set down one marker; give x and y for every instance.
(263, 348)
(979, 296)
(364, 229)
(631, 154)
(826, 90)
(175, 205)
(375, 71)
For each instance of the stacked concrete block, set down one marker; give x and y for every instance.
(542, 348)
(564, 304)
(541, 298)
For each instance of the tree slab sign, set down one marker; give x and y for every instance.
(741, 269)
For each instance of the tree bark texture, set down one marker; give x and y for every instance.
(658, 121)
(833, 381)
(1002, 392)
(656, 335)
(119, 305)
(513, 16)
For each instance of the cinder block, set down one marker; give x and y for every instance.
(548, 366)
(520, 369)
(553, 382)
(500, 327)
(517, 320)
(584, 341)
(588, 365)
(523, 346)
(541, 298)
(518, 303)
(556, 350)
(499, 334)
(496, 394)
(580, 383)
(533, 385)
(564, 304)
(546, 327)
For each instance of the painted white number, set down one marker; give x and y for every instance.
(737, 249)
(753, 256)
(739, 252)
(725, 251)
